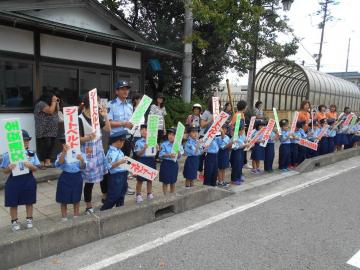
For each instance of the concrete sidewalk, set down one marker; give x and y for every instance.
(47, 208)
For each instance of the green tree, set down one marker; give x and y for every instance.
(224, 34)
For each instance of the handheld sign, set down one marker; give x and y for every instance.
(72, 134)
(277, 120)
(293, 125)
(237, 127)
(180, 130)
(309, 144)
(152, 135)
(255, 139)
(251, 127)
(322, 133)
(140, 110)
(215, 106)
(267, 133)
(347, 120)
(15, 145)
(353, 120)
(140, 169)
(215, 127)
(94, 112)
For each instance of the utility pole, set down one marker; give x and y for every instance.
(318, 60)
(348, 54)
(187, 61)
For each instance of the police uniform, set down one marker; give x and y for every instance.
(312, 135)
(147, 160)
(269, 153)
(355, 130)
(341, 136)
(169, 167)
(117, 182)
(300, 133)
(21, 189)
(223, 154)
(193, 156)
(211, 163)
(70, 183)
(258, 152)
(284, 150)
(237, 159)
(121, 111)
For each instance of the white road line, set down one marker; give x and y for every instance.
(355, 260)
(197, 226)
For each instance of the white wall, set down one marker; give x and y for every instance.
(63, 48)
(16, 40)
(129, 59)
(27, 122)
(80, 17)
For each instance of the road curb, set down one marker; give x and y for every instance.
(324, 160)
(51, 237)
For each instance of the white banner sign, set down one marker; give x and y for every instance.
(72, 133)
(139, 169)
(94, 111)
(215, 128)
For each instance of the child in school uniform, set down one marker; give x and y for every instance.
(237, 157)
(149, 160)
(21, 189)
(323, 142)
(284, 150)
(330, 135)
(224, 143)
(117, 180)
(300, 134)
(312, 136)
(211, 162)
(169, 167)
(70, 184)
(356, 134)
(193, 151)
(270, 152)
(258, 152)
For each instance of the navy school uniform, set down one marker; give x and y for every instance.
(21, 189)
(70, 183)
(355, 130)
(330, 140)
(257, 152)
(341, 136)
(311, 136)
(147, 160)
(269, 153)
(223, 154)
(169, 167)
(284, 150)
(193, 159)
(237, 158)
(301, 151)
(117, 180)
(211, 163)
(323, 144)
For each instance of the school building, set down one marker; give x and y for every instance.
(66, 46)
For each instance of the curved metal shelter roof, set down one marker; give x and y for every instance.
(284, 84)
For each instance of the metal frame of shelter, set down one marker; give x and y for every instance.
(284, 85)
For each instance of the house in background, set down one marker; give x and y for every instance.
(66, 46)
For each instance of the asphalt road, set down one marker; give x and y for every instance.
(310, 227)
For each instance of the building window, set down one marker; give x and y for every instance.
(16, 84)
(99, 79)
(61, 81)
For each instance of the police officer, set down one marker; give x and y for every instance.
(120, 113)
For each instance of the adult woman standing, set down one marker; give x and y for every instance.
(332, 114)
(46, 126)
(321, 114)
(93, 148)
(304, 114)
(158, 108)
(193, 119)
